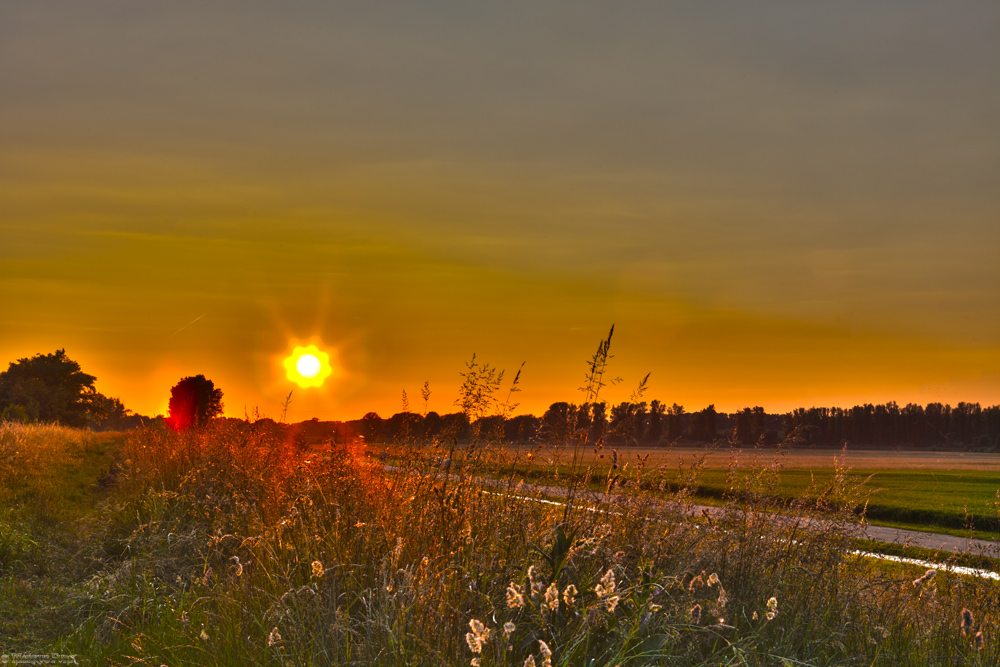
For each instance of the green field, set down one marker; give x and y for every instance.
(963, 502)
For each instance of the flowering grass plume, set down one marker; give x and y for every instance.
(515, 596)
(480, 635)
(552, 597)
(772, 608)
(607, 585)
(569, 595)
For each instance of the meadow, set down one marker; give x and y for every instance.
(233, 545)
(955, 493)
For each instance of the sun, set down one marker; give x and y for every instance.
(308, 366)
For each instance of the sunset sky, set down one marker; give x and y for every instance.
(777, 203)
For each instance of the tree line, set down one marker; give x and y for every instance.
(53, 388)
(965, 426)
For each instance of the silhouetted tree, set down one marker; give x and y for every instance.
(521, 428)
(371, 426)
(598, 422)
(703, 425)
(676, 422)
(193, 401)
(49, 388)
(557, 423)
(655, 429)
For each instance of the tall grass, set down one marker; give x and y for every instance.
(229, 547)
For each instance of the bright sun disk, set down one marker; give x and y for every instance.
(308, 366)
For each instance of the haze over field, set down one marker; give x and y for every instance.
(781, 204)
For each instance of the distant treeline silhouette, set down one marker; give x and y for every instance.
(967, 426)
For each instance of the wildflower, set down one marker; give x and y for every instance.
(509, 628)
(480, 629)
(530, 662)
(755, 616)
(696, 583)
(546, 652)
(967, 621)
(713, 579)
(696, 614)
(515, 597)
(927, 576)
(476, 662)
(978, 641)
(569, 595)
(612, 602)
(475, 639)
(770, 615)
(317, 569)
(772, 608)
(552, 597)
(274, 637)
(203, 635)
(607, 585)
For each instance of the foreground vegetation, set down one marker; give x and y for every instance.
(229, 545)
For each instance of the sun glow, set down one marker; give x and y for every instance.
(308, 366)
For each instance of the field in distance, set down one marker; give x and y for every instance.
(817, 458)
(947, 492)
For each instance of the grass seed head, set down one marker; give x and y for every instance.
(607, 585)
(569, 595)
(515, 597)
(967, 621)
(552, 597)
(696, 614)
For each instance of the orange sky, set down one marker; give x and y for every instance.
(785, 208)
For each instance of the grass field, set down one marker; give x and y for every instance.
(230, 546)
(954, 493)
